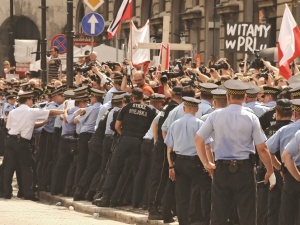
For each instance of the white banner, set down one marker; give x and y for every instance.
(141, 35)
(23, 50)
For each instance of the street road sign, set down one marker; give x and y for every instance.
(93, 4)
(82, 40)
(60, 41)
(92, 24)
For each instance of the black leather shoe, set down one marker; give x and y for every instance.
(89, 196)
(78, 197)
(104, 201)
(169, 220)
(32, 198)
(154, 214)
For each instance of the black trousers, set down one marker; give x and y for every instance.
(82, 155)
(109, 145)
(159, 174)
(123, 185)
(238, 188)
(56, 137)
(140, 187)
(45, 157)
(128, 147)
(62, 166)
(274, 200)
(193, 192)
(18, 154)
(290, 201)
(262, 196)
(93, 165)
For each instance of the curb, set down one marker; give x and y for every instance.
(109, 213)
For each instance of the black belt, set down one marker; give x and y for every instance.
(109, 135)
(18, 137)
(148, 140)
(242, 161)
(56, 129)
(194, 157)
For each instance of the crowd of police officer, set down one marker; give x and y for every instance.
(211, 159)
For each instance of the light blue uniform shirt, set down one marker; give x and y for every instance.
(49, 127)
(270, 104)
(7, 108)
(293, 148)
(257, 108)
(71, 118)
(109, 95)
(70, 126)
(104, 108)
(149, 134)
(175, 114)
(88, 120)
(109, 120)
(181, 135)
(236, 131)
(205, 107)
(282, 137)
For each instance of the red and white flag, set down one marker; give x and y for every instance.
(288, 42)
(142, 35)
(164, 56)
(124, 13)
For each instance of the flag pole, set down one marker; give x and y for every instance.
(130, 50)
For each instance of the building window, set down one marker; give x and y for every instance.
(162, 6)
(196, 2)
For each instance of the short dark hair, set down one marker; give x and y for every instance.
(56, 49)
(23, 100)
(188, 91)
(284, 113)
(206, 96)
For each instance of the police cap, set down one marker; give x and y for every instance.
(157, 97)
(96, 93)
(253, 90)
(271, 90)
(296, 105)
(283, 104)
(236, 87)
(10, 94)
(118, 93)
(58, 91)
(294, 79)
(48, 89)
(295, 92)
(69, 94)
(117, 98)
(81, 98)
(81, 91)
(26, 94)
(192, 102)
(219, 93)
(207, 87)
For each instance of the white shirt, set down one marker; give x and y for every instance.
(22, 119)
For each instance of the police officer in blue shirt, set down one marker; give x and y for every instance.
(289, 210)
(237, 133)
(10, 104)
(251, 100)
(206, 97)
(269, 200)
(270, 96)
(87, 118)
(192, 181)
(44, 167)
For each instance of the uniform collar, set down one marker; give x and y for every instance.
(205, 102)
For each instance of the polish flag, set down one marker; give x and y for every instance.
(288, 42)
(124, 13)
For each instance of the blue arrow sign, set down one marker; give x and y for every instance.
(92, 24)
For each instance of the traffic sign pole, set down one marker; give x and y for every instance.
(70, 34)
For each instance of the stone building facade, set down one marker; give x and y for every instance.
(199, 22)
